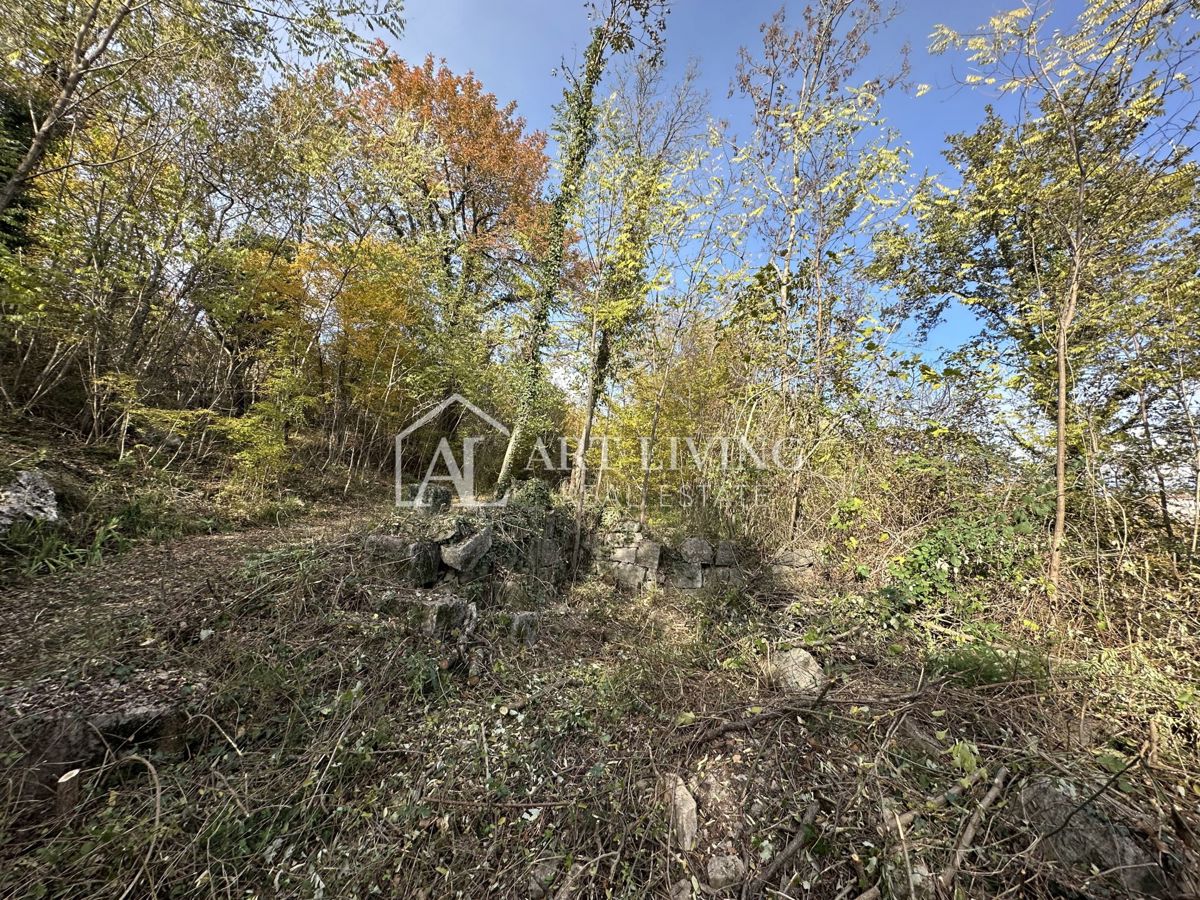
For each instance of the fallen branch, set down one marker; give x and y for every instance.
(806, 705)
(963, 845)
(834, 638)
(499, 804)
(778, 712)
(960, 788)
(801, 840)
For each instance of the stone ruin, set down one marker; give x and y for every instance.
(628, 556)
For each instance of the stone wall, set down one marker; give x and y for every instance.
(631, 558)
(468, 551)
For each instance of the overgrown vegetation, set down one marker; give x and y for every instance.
(243, 246)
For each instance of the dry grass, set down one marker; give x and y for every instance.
(332, 752)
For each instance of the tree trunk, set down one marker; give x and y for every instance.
(1060, 461)
(81, 63)
(1163, 507)
(580, 116)
(599, 372)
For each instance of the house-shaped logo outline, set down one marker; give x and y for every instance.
(490, 421)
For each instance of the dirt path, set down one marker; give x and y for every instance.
(43, 622)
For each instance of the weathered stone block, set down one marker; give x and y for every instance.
(648, 553)
(423, 560)
(687, 576)
(728, 577)
(796, 671)
(446, 615)
(467, 554)
(29, 496)
(628, 576)
(624, 554)
(697, 550)
(524, 627)
(681, 812)
(793, 559)
(434, 498)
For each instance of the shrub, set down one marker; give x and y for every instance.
(952, 559)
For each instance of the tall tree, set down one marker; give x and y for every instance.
(647, 149)
(65, 60)
(821, 171)
(1064, 205)
(621, 27)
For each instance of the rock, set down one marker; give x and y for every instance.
(724, 871)
(515, 590)
(467, 554)
(445, 616)
(697, 551)
(626, 555)
(524, 627)
(417, 561)
(477, 664)
(434, 498)
(648, 553)
(924, 883)
(1091, 843)
(29, 496)
(542, 876)
(446, 529)
(796, 671)
(681, 890)
(50, 728)
(716, 798)
(627, 575)
(730, 577)
(386, 546)
(423, 562)
(687, 576)
(726, 554)
(681, 812)
(784, 560)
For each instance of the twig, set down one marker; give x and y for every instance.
(784, 709)
(959, 788)
(963, 845)
(834, 638)
(576, 873)
(145, 869)
(802, 838)
(716, 731)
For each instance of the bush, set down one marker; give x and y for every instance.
(951, 560)
(976, 664)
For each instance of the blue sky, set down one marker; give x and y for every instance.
(514, 46)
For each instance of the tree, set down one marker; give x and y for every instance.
(647, 148)
(477, 198)
(1063, 210)
(615, 33)
(821, 172)
(68, 60)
